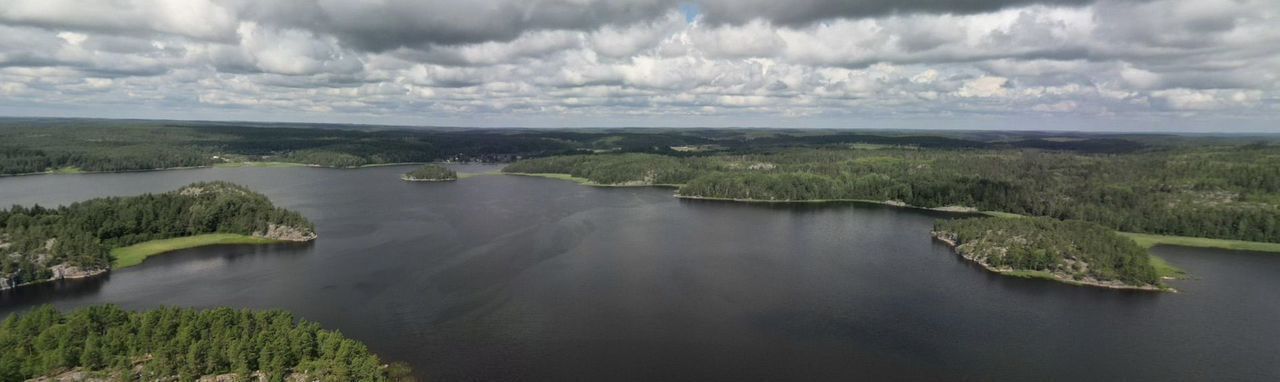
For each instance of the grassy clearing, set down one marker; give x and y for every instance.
(67, 170)
(1149, 240)
(464, 175)
(134, 254)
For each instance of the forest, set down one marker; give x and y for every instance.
(34, 240)
(1225, 192)
(1073, 249)
(430, 172)
(182, 344)
(38, 145)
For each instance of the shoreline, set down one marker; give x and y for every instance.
(1145, 240)
(1047, 275)
(132, 255)
(79, 275)
(411, 179)
(585, 181)
(265, 164)
(890, 203)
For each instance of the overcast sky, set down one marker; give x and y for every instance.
(1111, 65)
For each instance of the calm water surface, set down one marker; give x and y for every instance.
(515, 278)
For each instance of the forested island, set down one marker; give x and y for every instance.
(84, 239)
(1070, 251)
(430, 173)
(107, 343)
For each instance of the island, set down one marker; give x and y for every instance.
(174, 344)
(85, 239)
(430, 173)
(1073, 251)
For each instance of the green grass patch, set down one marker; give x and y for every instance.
(1166, 270)
(1028, 274)
(134, 254)
(1149, 240)
(464, 175)
(67, 170)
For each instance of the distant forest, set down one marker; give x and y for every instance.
(182, 344)
(34, 145)
(35, 239)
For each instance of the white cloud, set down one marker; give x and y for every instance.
(985, 86)
(607, 61)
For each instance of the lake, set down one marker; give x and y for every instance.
(516, 278)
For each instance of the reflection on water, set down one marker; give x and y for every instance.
(498, 278)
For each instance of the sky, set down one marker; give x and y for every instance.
(1104, 65)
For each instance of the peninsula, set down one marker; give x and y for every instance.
(1074, 252)
(88, 238)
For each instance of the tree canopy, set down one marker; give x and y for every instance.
(1076, 249)
(431, 172)
(180, 343)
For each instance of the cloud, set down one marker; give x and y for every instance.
(802, 12)
(563, 61)
(390, 24)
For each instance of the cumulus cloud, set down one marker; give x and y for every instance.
(733, 62)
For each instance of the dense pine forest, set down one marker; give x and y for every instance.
(37, 242)
(181, 344)
(1228, 192)
(431, 172)
(1073, 250)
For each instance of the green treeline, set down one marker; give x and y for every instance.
(1226, 192)
(1080, 250)
(34, 147)
(180, 343)
(431, 172)
(35, 239)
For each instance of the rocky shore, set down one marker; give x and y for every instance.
(962, 250)
(286, 233)
(60, 271)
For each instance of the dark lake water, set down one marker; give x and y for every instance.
(514, 278)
